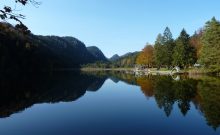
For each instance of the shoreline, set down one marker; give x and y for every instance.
(153, 71)
(161, 72)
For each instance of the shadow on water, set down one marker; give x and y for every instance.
(18, 92)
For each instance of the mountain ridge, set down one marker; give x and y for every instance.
(97, 53)
(33, 52)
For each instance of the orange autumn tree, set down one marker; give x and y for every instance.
(147, 85)
(146, 56)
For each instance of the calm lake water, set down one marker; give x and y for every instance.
(109, 103)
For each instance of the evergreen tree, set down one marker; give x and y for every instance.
(210, 53)
(167, 35)
(164, 49)
(160, 52)
(168, 46)
(184, 54)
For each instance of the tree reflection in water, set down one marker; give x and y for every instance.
(203, 92)
(18, 92)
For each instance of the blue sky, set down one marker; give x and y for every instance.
(118, 26)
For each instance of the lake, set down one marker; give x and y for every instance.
(108, 103)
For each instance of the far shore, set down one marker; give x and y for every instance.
(106, 69)
(131, 70)
(162, 71)
(153, 71)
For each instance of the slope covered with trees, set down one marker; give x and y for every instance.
(114, 58)
(125, 61)
(97, 53)
(31, 52)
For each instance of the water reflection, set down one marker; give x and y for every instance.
(18, 93)
(201, 91)
(204, 93)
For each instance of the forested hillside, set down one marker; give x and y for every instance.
(97, 53)
(127, 60)
(32, 52)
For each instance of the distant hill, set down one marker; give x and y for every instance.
(33, 52)
(128, 54)
(69, 51)
(97, 53)
(126, 60)
(114, 58)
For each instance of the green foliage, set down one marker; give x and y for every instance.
(167, 35)
(164, 49)
(210, 54)
(184, 54)
(126, 61)
(169, 46)
(160, 51)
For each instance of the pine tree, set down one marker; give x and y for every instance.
(167, 35)
(184, 53)
(164, 49)
(160, 51)
(210, 53)
(169, 45)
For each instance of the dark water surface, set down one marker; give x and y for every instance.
(108, 103)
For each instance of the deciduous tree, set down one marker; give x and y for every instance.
(146, 56)
(196, 41)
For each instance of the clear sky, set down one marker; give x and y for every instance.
(118, 26)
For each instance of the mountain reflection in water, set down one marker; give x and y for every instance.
(18, 93)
